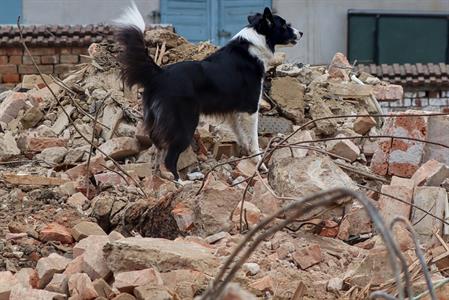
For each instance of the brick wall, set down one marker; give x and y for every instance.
(14, 63)
(419, 100)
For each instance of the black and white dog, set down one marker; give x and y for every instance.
(228, 82)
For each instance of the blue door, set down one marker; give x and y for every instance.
(213, 20)
(10, 10)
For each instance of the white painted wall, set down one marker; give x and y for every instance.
(324, 23)
(82, 11)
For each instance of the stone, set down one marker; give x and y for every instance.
(246, 167)
(121, 147)
(93, 262)
(335, 284)
(112, 114)
(127, 281)
(288, 70)
(251, 268)
(96, 166)
(152, 292)
(115, 235)
(431, 173)
(211, 239)
(359, 221)
(111, 178)
(183, 216)
(349, 90)
(19, 292)
(103, 289)
(37, 144)
(56, 232)
(374, 268)
(10, 107)
(401, 157)
(140, 169)
(7, 281)
(58, 284)
(343, 148)
(433, 200)
(315, 173)
(319, 109)
(187, 283)
(80, 284)
(75, 155)
(77, 200)
(213, 208)
(301, 138)
(124, 296)
(389, 207)
(8, 146)
(84, 229)
(288, 93)
(252, 214)
(363, 125)
(187, 158)
(437, 131)
(31, 81)
(48, 266)
(263, 285)
(27, 277)
(142, 135)
(234, 292)
(54, 155)
(62, 121)
(75, 266)
(308, 256)
(388, 92)
(31, 117)
(264, 199)
(339, 67)
(165, 255)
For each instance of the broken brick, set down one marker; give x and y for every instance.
(56, 232)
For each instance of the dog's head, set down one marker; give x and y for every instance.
(275, 29)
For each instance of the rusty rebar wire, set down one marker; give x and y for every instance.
(418, 252)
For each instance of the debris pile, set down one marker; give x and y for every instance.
(86, 217)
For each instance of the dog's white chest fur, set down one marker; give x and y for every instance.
(259, 47)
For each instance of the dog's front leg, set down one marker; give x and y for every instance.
(245, 128)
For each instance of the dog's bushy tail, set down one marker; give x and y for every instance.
(137, 65)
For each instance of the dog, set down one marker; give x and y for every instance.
(229, 82)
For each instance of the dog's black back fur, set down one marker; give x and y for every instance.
(229, 80)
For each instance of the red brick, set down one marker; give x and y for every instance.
(69, 59)
(65, 50)
(121, 147)
(308, 256)
(10, 78)
(50, 59)
(125, 282)
(3, 60)
(28, 61)
(432, 173)
(79, 51)
(42, 51)
(56, 232)
(84, 59)
(64, 68)
(388, 92)
(8, 69)
(96, 166)
(14, 51)
(110, 178)
(339, 67)
(37, 144)
(389, 207)
(30, 69)
(15, 59)
(11, 106)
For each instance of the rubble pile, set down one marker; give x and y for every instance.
(86, 217)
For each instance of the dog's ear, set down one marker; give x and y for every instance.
(253, 19)
(268, 16)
